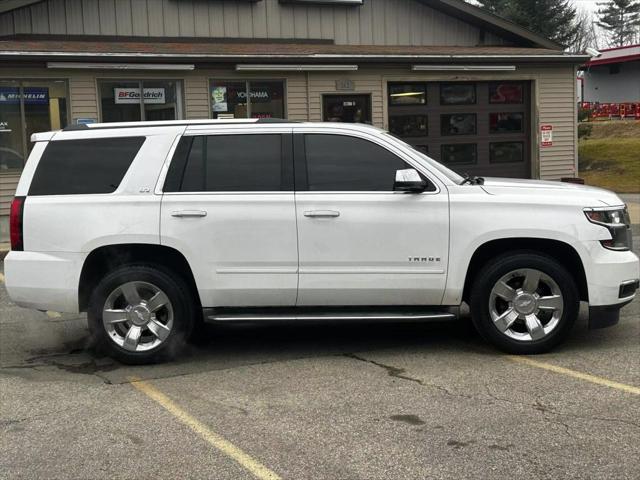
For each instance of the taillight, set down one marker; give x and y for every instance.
(16, 223)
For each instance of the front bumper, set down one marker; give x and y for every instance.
(606, 271)
(604, 316)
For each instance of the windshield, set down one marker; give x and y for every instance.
(450, 174)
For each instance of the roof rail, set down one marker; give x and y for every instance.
(173, 123)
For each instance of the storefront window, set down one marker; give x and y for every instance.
(27, 107)
(247, 99)
(121, 100)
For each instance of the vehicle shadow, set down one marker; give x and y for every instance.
(226, 346)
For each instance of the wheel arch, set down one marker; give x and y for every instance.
(108, 257)
(562, 252)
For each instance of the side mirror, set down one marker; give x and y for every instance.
(410, 181)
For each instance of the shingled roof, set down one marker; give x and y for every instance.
(217, 50)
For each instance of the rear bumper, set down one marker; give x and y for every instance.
(44, 281)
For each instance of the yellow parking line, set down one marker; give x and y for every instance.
(215, 440)
(575, 374)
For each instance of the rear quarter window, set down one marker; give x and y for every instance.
(95, 165)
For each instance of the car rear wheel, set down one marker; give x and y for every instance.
(524, 303)
(141, 314)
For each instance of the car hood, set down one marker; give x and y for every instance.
(541, 188)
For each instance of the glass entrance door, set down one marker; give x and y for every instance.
(135, 100)
(27, 107)
(346, 108)
(11, 131)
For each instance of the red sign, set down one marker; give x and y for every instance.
(546, 135)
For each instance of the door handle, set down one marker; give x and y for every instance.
(189, 213)
(321, 213)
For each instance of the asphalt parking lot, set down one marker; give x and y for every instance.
(339, 401)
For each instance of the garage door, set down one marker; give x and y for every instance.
(479, 128)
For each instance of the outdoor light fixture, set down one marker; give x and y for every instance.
(406, 94)
(122, 66)
(295, 68)
(463, 68)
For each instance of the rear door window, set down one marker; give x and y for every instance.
(230, 163)
(88, 166)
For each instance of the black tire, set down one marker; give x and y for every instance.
(182, 307)
(496, 269)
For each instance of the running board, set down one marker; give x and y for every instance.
(267, 315)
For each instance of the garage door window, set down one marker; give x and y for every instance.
(409, 125)
(506, 92)
(506, 122)
(458, 124)
(506, 152)
(459, 154)
(407, 94)
(457, 94)
(479, 128)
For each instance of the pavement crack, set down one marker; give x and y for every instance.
(391, 370)
(400, 373)
(13, 421)
(546, 409)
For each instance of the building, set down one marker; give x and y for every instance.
(469, 88)
(613, 76)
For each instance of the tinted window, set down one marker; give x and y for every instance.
(233, 163)
(341, 163)
(84, 166)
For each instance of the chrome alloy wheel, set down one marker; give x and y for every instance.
(526, 304)
(137, 316)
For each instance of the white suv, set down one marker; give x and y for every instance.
(152, 227)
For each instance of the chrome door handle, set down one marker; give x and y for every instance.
(321, 213)
(189, 213)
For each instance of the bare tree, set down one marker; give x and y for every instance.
(586, 32)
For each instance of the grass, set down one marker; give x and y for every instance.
(610, 156)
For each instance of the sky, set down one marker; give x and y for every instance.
(590, 5)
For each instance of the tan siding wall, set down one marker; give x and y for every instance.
(297, 105)
(196, 93)
(84, 96)
(8, 184)
(380, 22)
(556, 106)
(553, 92)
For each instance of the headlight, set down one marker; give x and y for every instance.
(617, 221)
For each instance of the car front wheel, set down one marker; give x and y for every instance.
(524, 303)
